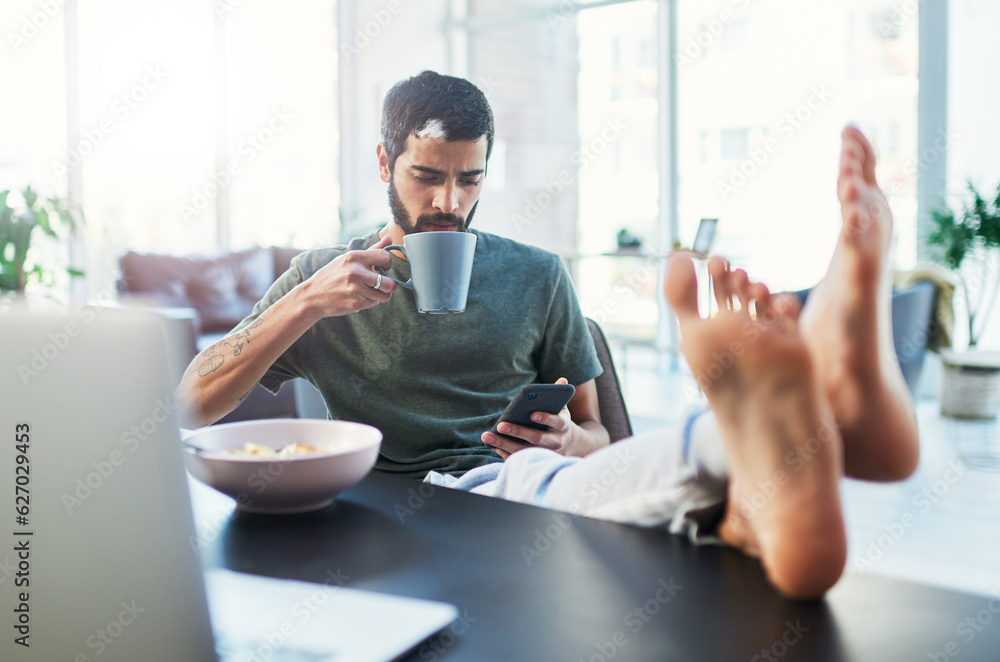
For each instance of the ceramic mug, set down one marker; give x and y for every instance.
(440, 268)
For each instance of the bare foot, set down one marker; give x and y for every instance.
(783, 451)
(847, 326)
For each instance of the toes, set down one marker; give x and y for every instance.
(718, 270)
(775, 310)
(761, 298)
(681, 287)
(787, 308)
(739, 283)
(853, 136)
(851, 178)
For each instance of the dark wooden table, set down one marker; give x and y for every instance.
(534, 584)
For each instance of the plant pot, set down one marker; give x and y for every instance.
(970, 384)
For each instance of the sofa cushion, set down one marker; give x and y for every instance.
(222, 288)
(283, 259)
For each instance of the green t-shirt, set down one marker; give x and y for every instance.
(434, 383)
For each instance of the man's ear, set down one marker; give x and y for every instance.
(383, 163)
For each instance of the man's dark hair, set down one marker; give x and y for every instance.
(459, 106)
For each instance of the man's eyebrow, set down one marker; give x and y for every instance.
(435, 171)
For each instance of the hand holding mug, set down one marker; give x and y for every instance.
(348, 283)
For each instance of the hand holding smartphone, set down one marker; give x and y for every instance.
(550, 398)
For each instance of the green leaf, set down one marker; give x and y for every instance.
(42, 218)
(978, 208)
(989, 225)
(62, 209)
(30, 197)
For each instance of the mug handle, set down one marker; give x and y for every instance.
(408, 284)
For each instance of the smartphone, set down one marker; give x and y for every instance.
(706, 232)
(549, 398)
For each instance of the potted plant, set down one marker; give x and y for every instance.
(969, 244)
(19, 220)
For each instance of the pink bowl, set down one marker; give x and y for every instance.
(282, 486)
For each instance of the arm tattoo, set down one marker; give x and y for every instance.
(211, 358)
(236, 340)
(209, 361)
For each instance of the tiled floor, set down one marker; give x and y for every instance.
(941, 526)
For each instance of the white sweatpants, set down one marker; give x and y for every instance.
(671, 477)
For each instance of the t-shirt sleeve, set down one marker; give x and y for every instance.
(284, 368)
(567, 348)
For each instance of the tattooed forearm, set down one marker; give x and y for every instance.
(236, 340)
(208, 364)
(211, 358)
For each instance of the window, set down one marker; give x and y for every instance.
(200, 127)
(149, 94)
(763, 93)
(733, 144)
(772, 186)
(281, 124)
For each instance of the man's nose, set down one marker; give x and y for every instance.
(446, 198)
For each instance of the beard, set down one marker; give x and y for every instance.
(424, 221)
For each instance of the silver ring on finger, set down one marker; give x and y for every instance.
(378, 282)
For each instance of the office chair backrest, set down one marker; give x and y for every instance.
(614, 415)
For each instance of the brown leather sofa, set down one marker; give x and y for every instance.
(220, 290)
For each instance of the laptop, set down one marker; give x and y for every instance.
(95, 560)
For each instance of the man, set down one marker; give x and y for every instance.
(435, 384)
